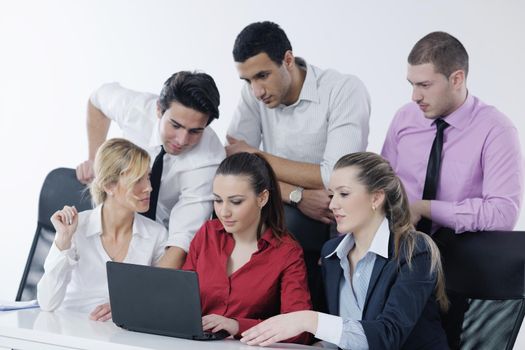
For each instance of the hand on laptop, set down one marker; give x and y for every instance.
(101, 313)
(215, 323)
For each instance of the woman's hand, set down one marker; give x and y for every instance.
(215, 323)
(101, 313)
(65, 222)
(281, 327)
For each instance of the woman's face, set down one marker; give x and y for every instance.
(237, 205)
(137, 199)
(351, 202)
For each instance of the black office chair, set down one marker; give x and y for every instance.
(485, 279)
(60, 188)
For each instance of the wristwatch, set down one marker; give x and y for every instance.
(295, 196)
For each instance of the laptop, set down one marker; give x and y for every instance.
(157, 300)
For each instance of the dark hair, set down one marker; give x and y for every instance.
(376, 174)
(445, 52)
(260, 37)
(193, 90)
(262, 177)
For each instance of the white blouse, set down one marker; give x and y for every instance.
(75, 279)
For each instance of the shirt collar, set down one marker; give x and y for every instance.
(379, 245)
(460, 118)
(309, 91)
(94, 224)
(267, 237)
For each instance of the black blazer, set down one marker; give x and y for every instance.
(400, 310)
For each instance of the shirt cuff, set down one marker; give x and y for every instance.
(57, 254)
(443, 213)
(329, 328)
(179, 240)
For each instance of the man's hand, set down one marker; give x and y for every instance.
(85, 173)
(418, 210)
(236, 146)
(314, 204)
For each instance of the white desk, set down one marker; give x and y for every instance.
(34, 329)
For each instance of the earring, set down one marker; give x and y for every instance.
(373, 207)
(110, 193)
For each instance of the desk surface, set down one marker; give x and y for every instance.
(35, 329)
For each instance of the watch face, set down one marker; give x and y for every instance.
(295, 196)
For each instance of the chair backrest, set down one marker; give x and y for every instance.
(487, 271)
(60, 188)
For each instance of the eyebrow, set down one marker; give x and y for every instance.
(255, 75)
(173, 121)
(419, 82)
(235, 196)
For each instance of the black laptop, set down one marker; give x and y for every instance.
(157, 300)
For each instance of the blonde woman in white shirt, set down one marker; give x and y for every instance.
(75, 269)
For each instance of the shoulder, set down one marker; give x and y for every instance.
(208, 152)
(150, 226)
(489, 117)
(334, 81)
(421, 246)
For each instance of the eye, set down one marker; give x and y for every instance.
(236, 202)
(263, 75)
(196, 132)
(344, 194)
(217, 201)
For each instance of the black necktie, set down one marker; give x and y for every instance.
(433, 170)
(156, 174)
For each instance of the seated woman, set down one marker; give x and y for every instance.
(250, 268)
(75, 269)
(383, 280)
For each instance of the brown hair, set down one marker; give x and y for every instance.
(376, 174)
(444, 51)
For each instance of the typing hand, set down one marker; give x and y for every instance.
(65, 222)
(215, 323)
(101, 313)
(314, 204)
(85, 173)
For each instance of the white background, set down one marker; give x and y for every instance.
(54, 53)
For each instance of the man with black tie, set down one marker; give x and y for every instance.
(459, 159)
(173, 128)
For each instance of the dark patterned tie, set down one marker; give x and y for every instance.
(156, 174)
(433, 170)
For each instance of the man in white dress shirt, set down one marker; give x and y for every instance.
(176, 122)
(306, 118)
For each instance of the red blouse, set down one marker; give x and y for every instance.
(272, 282)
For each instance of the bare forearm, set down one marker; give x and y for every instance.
(307, 175)
(173, 258)
(97, 129)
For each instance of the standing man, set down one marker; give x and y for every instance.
(459, 159)
(306, 118)
(173, 128)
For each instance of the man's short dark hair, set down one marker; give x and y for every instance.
(193, 90)
(261, 37)
(444, 51)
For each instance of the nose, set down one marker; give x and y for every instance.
(183, 137)
(416, 95)
(332, 204)
(224, 211)
(258, 90)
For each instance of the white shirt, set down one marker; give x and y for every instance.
(345, 330)
(75, 279)
(329, 119)
(185, 195)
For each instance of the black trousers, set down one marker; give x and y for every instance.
(311, 234)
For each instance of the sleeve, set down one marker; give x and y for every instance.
(246, 122)
(346, 333)
(408, 296)
(58, 267)
(348, 124)
(160, 245)
(502, 189)
(193, 254)
(389, 150)
(194, 206)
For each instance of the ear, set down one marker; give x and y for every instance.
(262, 198)
(378, 199)
(159, 110)
(289, 60)
(457, 78)
(110, 189)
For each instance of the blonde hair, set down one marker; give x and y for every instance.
(376, 174)
(117, 159)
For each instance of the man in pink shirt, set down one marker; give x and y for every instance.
(474, 180)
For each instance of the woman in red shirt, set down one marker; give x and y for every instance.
(250, 268)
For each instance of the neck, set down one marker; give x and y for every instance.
(459, 100)
(298, 76)
(116, 221)
(249, 236)
(364, 236)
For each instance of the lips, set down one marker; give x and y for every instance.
(228, 222)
